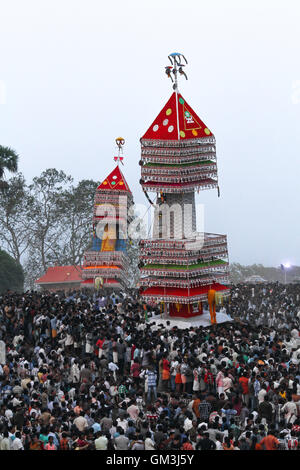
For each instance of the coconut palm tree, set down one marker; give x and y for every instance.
(8, 161)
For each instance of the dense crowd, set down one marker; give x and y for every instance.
(93, 371)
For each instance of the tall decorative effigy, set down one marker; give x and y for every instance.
(106, 263)
(179, 266)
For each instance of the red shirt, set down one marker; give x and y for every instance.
(100, 343)
(187, 446)
(270, 442)
(244, 383)
(135, 369)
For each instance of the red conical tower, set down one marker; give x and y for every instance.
(106, 264)
(178, 156)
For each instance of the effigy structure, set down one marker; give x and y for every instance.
(179, 266)
(106, 263)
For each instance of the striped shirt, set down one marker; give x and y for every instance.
(204, 410)
(151, 378)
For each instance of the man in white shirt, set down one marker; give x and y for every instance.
(188, 424)
(113, 367)
(173, 372)
(218, 442)
(290, 410)
(6, 442)
(9, 415)
(133, 411)
(81, 422)
(17, 443)
(261, 394)
(101, 442)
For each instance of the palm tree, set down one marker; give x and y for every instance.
(8, 161)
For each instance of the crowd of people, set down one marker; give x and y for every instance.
(91, 371)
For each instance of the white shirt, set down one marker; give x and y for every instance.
(261, 395)
(290, 408)
(81, 423)
(149, 444)
(8, 414)
(188, 424)
(123, 424)
(227, 383)
(6, 444)
(113, 367)
(17, 444)
(174, 364)
(219, 445)
(101, 443)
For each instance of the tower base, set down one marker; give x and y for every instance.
(185, 323)
(185, 310)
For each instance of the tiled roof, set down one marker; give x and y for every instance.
(61, 274)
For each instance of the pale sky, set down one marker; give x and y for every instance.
(76, 74)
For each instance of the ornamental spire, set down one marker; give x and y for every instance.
(177, 67)
(120, 142)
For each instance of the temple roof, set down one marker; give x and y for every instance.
(61, 274)
(177, 121)
(115, 180)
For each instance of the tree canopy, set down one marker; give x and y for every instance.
(8, 161)
(11, 274)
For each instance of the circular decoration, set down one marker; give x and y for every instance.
(194, 132)
(181, 100)
(113, 182)
(121, 183)
(207, 131)
(187, 114)
(170, 128)
(104, 182)
(169, 111)
(182, 134)
(114, 177)
(155, 128)
(165, 122)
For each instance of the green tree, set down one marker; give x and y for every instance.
(8, 161)
(11, 274)
(76, 206)
(60, 222)
(46, 212)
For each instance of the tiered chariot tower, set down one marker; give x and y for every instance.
(179, 266)
(106, 264)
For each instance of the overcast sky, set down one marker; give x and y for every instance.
(76, 74)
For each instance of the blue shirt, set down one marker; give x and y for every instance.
(229, 413)
(151, 379)
(96, 427)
